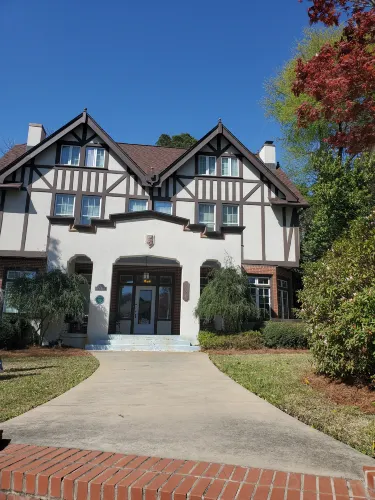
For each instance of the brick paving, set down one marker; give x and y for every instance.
(29, 472)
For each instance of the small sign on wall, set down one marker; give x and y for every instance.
(186, 291)
(100, 288)
(99, 299)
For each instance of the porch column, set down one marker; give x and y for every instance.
(98, 320)
(189, 328)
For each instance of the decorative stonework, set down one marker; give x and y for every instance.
(186, 291)
(150, 240)
(101, 288)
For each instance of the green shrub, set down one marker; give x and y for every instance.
(240, 341)
(285, 334)
(15, 332)
(338, 303)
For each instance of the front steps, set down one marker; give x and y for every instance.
(168, 343)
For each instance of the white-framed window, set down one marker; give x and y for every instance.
(229, 166)
(207, 215)
(165, 207)
(64, 205)
(261, 293)
(230, 215)
(95, 157)
(206, 165)
(11, 276)
(283, 298)
(70, 155)
(90, 208)
(138, 205)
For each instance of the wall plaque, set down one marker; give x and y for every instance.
(100, 288)
(150, 240)
(186, 291)
(99, 299)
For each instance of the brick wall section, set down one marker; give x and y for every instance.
(274, 273)
(176, 308)
(16, 263)
(34, 472)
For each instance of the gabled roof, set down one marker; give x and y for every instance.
(152, 164)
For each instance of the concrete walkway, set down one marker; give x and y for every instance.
(179, 405)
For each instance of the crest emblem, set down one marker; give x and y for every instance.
(150, 240)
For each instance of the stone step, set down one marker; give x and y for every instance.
(142, 339)
(143, 347)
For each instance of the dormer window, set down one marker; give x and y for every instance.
(207, 165)
(95, 157)
(229, 166)
(70, 155)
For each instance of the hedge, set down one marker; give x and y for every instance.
(285, 334)
(240, 341)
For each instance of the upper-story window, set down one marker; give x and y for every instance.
(64, 205)
(207, 215)
(164, 207)
(137, 205)
(229, 166)
(90, 208)
(95, 157)
(206, 165)
(70, 155)
(230, 215)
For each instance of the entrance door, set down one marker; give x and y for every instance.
(144, 310)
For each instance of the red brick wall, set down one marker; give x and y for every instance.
(176, 312)
(274, 273)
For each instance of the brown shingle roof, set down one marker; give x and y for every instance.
(151, 159)
(285, 180)
(11, 155)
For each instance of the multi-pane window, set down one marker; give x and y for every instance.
(90, 208)
(164, 207)
(137, 205)
(11, 277)
(206, 165)
(229, 166)
(283, 298)
(95, 157)
(165, 303)
(261, 293)
(126, 300)
(70, 155)
(64, 205)
(207, 215)
(230, 215)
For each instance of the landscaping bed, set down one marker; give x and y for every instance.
(287, 381)
(34, 376)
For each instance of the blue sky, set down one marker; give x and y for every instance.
(143, 68)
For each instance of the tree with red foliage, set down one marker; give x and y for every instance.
(341, 77)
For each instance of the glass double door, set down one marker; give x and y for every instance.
(144, 310)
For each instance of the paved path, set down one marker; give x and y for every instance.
(180, 405)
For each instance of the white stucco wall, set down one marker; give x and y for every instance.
(128, 239)
(37, 226)
(13, 219)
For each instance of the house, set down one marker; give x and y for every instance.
(144, 224)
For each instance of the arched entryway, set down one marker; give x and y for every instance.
(145, 296)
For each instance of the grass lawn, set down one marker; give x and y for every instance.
(33, 377)
(282, 379)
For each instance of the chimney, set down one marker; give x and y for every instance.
(36, 134)
(268, 154)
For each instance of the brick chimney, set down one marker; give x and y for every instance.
(268, 154)
(35, 135)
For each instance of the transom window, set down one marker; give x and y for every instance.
(230, 215)
(64, 205)
(282, 283)
(137, 205)
(11, 277)
(70, 155)
(95, 157)
(207, 215)
(90, 208)
(207, 165)
(165, 207)
(260, 291)
(229, 166)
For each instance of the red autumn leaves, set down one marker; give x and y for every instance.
(341, 77)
